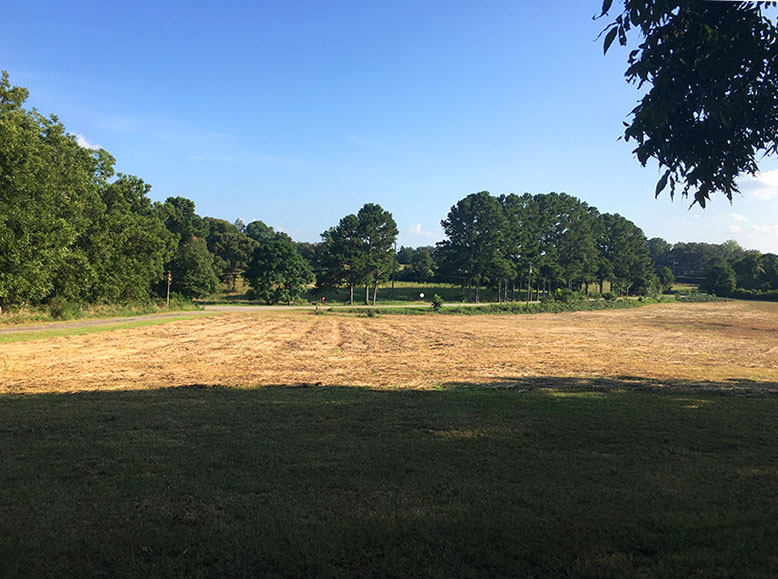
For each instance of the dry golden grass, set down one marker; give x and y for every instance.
(733, 344)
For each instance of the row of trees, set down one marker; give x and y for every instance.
(550, 240)
(507, 242)
(752, 275)
(721, 269)
(690, 261)
(70, 227)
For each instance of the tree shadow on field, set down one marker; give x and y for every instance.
(741, 386)
(476, 480)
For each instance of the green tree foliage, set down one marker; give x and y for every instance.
(666, 279)
(575, 227)
(277, 272)
(342, 256)
(359, 250)
(66, 230)
(712, 105)
(625, 249)
(230, 247)
(258, 231)
(551, 239)
(749, 270)
(769, 278)
(378, 231)
(47, 191)
(475, 230)
(309, 251)
(179, 216)
(192, 269)
(689, 261)
(422, 265)
(720, 278)
(404, 255)
(127, 243)
(659, 252)
(193, 266)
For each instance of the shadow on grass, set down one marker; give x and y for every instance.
(626, 384)
(494, 480)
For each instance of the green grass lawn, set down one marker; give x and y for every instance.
(403, 292)
(24, 336)
(329, 482)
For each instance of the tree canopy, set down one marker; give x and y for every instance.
(359, 250)
(712, 106)
(277, 272)
(552, 236)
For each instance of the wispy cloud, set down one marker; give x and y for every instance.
(738, 217)
(416, 229)
(735, 229)
(84, 144)
(763, 186)
(771, 229)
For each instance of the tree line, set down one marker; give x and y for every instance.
(725, 269)
(72, 228)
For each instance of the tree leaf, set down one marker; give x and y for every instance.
(662, 183)
(609, 38)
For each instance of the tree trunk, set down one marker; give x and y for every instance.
(351, 294)
(375, 291)
(529, 285)
(367, 295)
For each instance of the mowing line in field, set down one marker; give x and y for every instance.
(23, 336)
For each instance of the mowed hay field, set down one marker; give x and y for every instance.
(726, 345)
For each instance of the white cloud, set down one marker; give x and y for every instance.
(735, 229)
(84, 144)
(416, 229)
(738, 217)
(770, 229)
(763, 186)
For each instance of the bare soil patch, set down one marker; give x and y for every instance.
(731, 345)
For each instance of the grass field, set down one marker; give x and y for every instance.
(594, 444)
(403, 292)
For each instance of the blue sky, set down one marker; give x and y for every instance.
(297, 113)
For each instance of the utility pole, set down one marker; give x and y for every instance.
(169, 279)
(394, 260)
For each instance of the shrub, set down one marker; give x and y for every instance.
(437, 302)
(61, 309)
(562, 295)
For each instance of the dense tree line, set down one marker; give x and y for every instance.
(70, 227)
(542, 242)
(724, 269)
